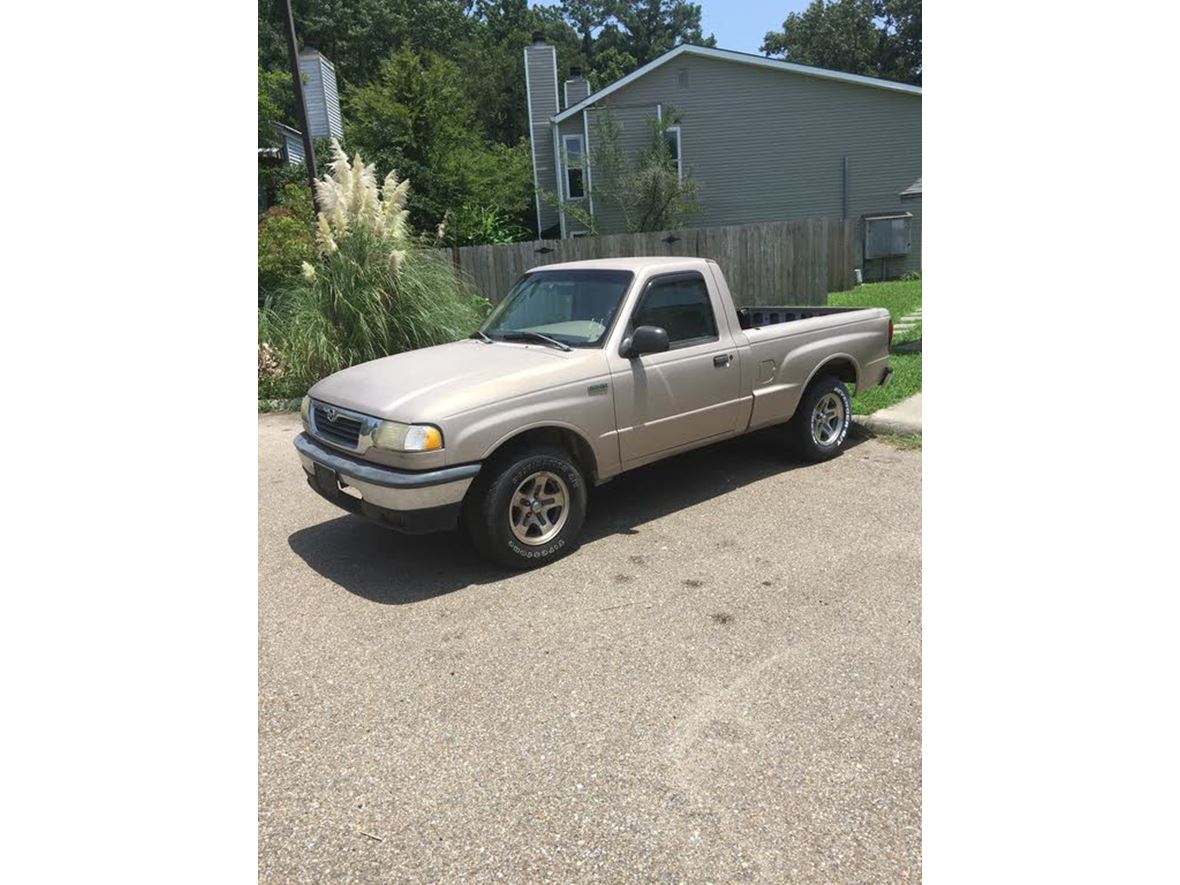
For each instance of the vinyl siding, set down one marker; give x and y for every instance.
(768, 145)
(541, 80)
(323, 101)
(293, 145)
(634, 136)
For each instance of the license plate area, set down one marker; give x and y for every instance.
(327, 480)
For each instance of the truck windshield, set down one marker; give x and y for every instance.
(574, 307)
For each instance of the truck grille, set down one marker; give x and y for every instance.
(343, 431)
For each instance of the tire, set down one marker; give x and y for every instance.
(506, 528)
(817, 437)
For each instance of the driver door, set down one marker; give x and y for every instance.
(689, 393)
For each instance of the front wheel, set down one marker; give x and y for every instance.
(820, 425)
(529, 507)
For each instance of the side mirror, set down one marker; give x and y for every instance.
(645, 339)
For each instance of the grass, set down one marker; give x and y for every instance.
(900, 298)
(904, 442)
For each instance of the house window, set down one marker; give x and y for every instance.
(575, 157)
(672, 134)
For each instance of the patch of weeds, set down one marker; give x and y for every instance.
(721, 617)
(694, 583)
(279, 405)
(905, 442)
(624, 579)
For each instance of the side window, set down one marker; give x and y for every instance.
(680, 305)
(672, 136)
(575, 186)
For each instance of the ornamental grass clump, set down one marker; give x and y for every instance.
(370, 291)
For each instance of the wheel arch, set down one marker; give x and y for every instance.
(839, 365)
(552, 433)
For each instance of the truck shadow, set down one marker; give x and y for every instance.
(391, 569)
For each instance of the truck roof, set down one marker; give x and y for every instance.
(633, 263)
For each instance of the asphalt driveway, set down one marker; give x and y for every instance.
(723, 684)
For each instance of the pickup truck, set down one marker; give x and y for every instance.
(583, 371)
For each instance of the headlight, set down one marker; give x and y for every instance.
(305, 409)
(407, 437)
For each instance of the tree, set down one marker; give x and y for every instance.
(276, 104)
(876, 38)
(647, 189)
(902, 24)
(587, 18)
(493, 58)
(358, 34)
(649, 28)
(417, 118)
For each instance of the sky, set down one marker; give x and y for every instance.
(741, 24)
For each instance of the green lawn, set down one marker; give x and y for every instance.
(899, 298)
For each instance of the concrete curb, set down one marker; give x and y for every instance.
(903, 418)
(896, 426)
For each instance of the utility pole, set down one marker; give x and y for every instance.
(297, 81)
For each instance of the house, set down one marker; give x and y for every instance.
(323, 116)
(767, 140)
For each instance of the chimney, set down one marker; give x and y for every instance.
(540, 76)
(319, 91)
(577, 87)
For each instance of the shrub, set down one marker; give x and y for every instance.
(480, 225)
(369, 291)
(911, 275)
(285, 238)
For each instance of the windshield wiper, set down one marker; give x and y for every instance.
(478, 335)
(529, 335)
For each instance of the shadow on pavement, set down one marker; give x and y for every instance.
(383, 566)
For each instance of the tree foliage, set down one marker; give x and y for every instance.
(357, 35)
(876, 38)
(645, 188)
(416, 117)
(276, 104)
(285, 239)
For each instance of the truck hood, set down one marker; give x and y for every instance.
(435, 383)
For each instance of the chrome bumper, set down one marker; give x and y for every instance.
(381, 486)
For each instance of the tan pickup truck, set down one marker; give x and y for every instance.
(584, 370)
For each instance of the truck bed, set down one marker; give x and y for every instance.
(770, 315)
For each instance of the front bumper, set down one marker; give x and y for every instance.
(414, 502)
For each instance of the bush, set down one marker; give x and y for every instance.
(475, 225)
(910, 275)
(285, 239)
(370, 292)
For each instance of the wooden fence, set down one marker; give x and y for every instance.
(777, 262)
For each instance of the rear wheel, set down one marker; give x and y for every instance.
(820, 425)
(527, 508)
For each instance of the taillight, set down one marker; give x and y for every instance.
(891, 330)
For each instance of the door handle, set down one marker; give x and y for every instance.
(722, 360)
